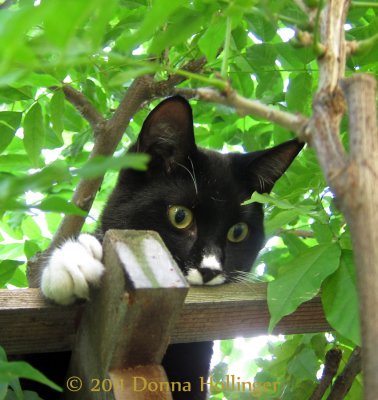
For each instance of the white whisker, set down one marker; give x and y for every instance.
(192, 175)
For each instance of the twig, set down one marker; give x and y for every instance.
(331, 365)
(345, 380)
(363, 46)
(226, 49)
(297, 232)
(364, 4)
(293, 122)
(83, 105)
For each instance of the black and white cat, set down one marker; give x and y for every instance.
(192, 197)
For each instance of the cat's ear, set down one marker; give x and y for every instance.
(263, 168)
(167, 134)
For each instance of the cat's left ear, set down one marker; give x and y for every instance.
(167, 134)
(264, 168)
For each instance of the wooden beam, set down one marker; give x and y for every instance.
(128, 323)
(29, 324)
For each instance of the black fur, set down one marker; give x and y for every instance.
(212, 186)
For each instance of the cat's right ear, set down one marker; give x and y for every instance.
(167, 134)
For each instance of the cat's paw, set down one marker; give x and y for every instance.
(71, 268)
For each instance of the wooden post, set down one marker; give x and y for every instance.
(125, 328)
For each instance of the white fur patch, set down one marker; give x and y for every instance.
(71, 268)
(194, 277)
(211, 262)
(218, 280)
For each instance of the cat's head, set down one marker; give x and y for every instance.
(192, 197)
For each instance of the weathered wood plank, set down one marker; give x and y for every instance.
(29, 324)
(128, 322)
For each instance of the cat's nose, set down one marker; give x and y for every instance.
(211, 277)
(208, 274)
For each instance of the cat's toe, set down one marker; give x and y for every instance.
(71, 269)
(57, 285)
(92, 245)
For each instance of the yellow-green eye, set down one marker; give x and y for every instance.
(180, 217)
(238, 232)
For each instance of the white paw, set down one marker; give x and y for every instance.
(71, 268)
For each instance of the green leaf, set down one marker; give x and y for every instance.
(14, 162)
(31, 228)
(9, 123)
(295, 245)
(226, 347)
(262, 57)
(31, 248)
(265, 198)
(298, 95)
(130, 73)
(9, 94)
(73, 13)
(7, 269)
(155, 17)
(38, 79)
(58, 204)
(300, 280)
(3, 390)
(11, 187)
(340, 299)
(304, 365)
(34, 133)
(261, 27)
(17, 391)
(219, 371)
(322, 231)
(279, 220)
(211, 41)
(20, 369)
(99, 165)
(57, 112)
(19, 278)
(3, 354)
(185, 25)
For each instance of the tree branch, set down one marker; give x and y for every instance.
(359, 204)
(331, 365)
(297, 232)
(294, 122)
(328, 105)
(83, 105)
(345, 380)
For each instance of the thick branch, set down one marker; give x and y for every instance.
(293, 122)
(345, 380)
(331, 365)
(360, 204)
(328, 105)
(360, 93)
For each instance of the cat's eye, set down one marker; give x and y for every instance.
(180, 217)
(238, 232)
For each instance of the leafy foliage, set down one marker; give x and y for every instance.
(10, 374)
(99, 47)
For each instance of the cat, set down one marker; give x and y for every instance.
(192, 197)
